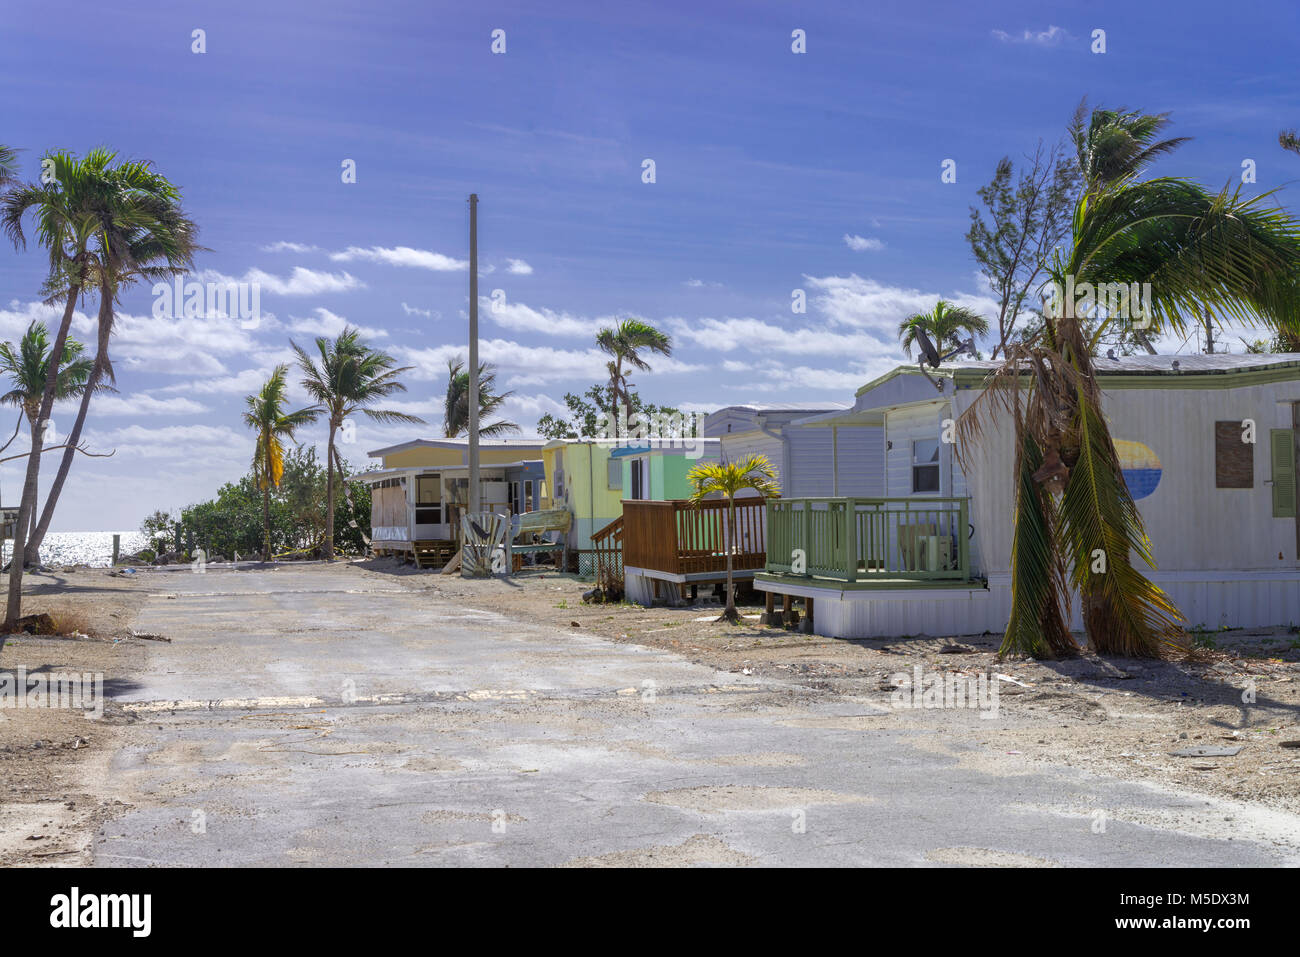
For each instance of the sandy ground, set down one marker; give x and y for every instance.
(53, 762)
(1117, 716)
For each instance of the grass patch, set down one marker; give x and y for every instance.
(69, 621)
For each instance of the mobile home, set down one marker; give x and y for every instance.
(421, 488)
(1208, 445)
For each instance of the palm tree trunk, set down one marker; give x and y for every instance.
(329, 496)
(74, 437)
(730, 612)
(33, 546)
(266, 522)
(27, 506)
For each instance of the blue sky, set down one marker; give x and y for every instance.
(765, 162)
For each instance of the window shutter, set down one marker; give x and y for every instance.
(1282, 445)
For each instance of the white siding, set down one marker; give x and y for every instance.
(859, 455)
(1192, 524)
(902, 428)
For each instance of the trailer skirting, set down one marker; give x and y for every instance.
(1262, 598)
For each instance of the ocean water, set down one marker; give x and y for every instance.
(83, 548)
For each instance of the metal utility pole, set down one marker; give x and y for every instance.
(474, 496)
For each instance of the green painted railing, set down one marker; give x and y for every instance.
(859, 539)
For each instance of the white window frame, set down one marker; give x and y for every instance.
(936, 463)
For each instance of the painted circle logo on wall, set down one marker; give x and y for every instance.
(1141, 467)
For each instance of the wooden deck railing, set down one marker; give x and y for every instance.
(685, 539)
(607, 543)
(860, 539)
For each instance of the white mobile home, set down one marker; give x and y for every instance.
(816, 449)
(422, 486)
(1208, 445)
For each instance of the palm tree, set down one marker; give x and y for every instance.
(266, 417)
(27, 366)
(943, 326)
(1289, 140)
(347, 377)
(455, 416)
(1115, 144)
(8, 165)
(66, 212)
(728, 478)
(143, 235)
(1075, 520)
(625, 343)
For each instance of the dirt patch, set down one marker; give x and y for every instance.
(54, 761)
(696, 851)
(712, 799)
(983, 857)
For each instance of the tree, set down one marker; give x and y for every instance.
(232, 523)
(143, 234)
(67, 211)
(345, 378)
(1027, 222)
(1114, 145)
(1289, 140)
(586, 411)
(157, 529)
(1076, 524)
(274, 426)
(943, 324)
(8, 165)
(726, 479)
(28, 366)
(455, 416)
(625, 344)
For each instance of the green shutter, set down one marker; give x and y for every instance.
(1282, 444)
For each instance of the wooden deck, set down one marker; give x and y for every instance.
(680, 538)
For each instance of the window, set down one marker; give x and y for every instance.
(1281, 443)
(1234, 459)
(639, 484)
(925, 466)
(615, 473)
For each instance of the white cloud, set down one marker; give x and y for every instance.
(1051, 37)
(427, 313)
(285, 247)
(301, 282)
(141, 404)
(402, 256)
(523, 365)
(860, 243)
(244, 382)
(756, 335)
(328, 323)
(776, 377)
(523, 318)
(872, 306)
(519, 268)
(700, 284)
(196, 443)
(182, 346)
